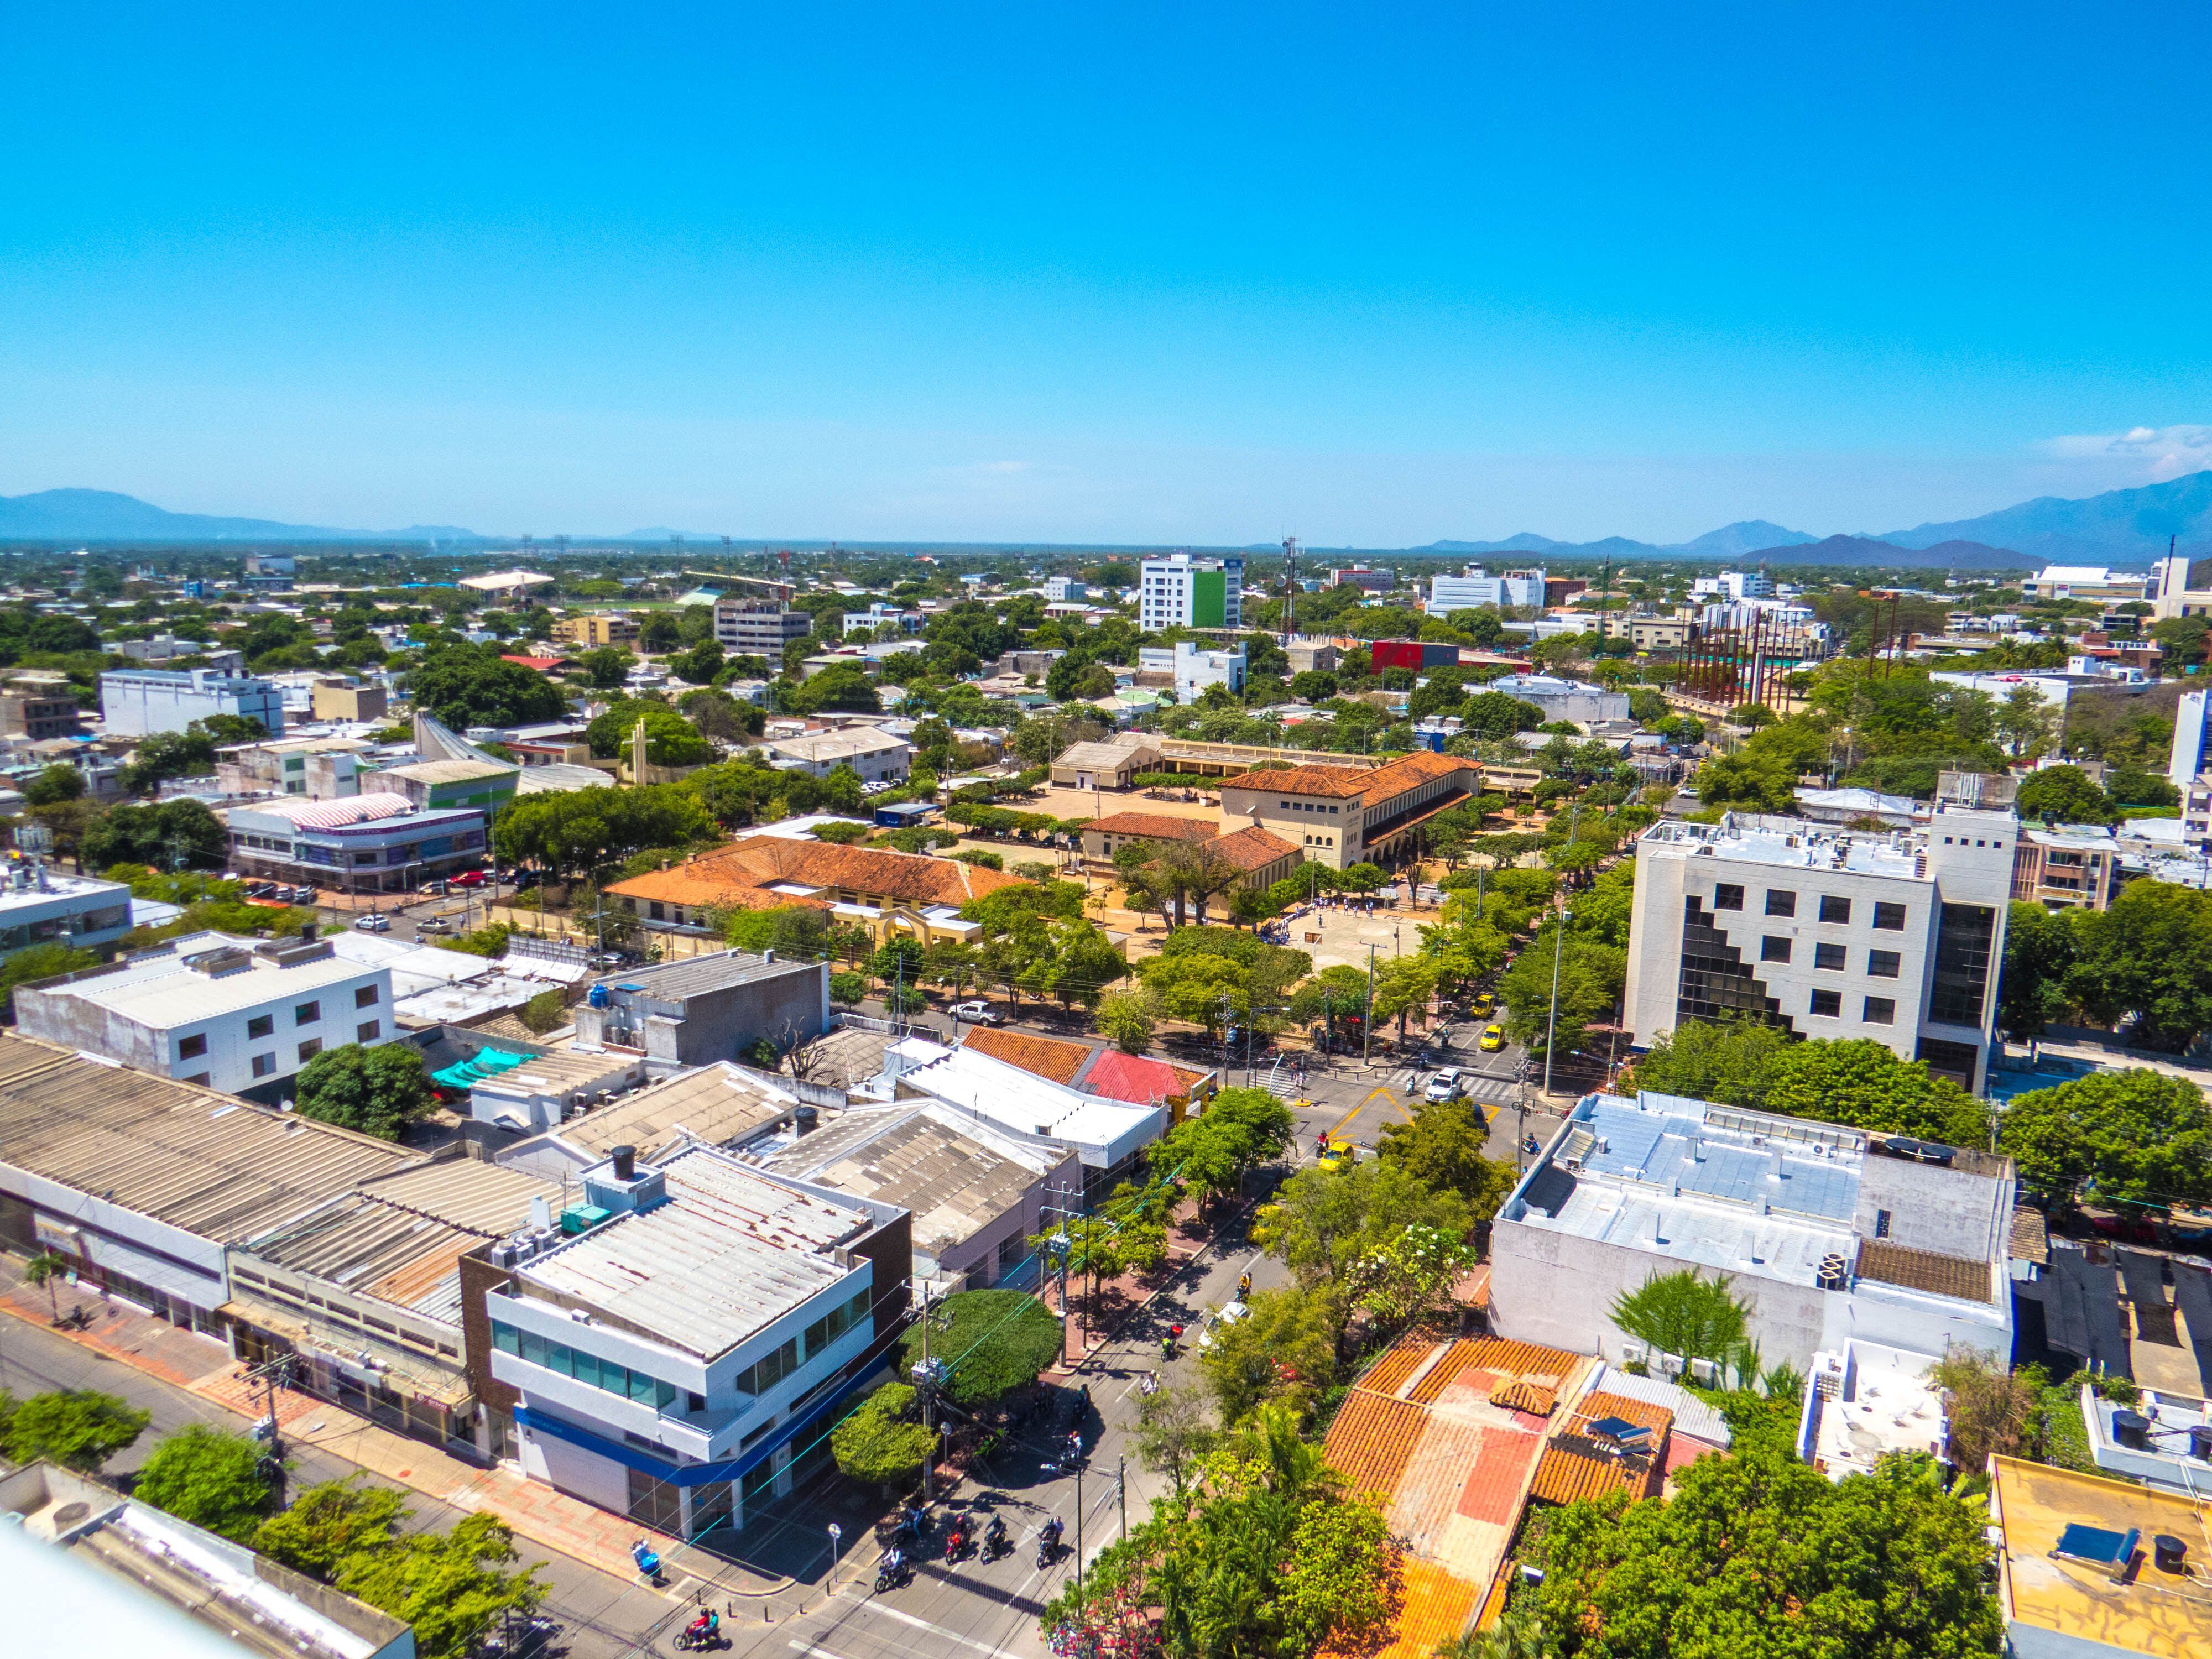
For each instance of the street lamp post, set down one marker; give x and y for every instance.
(1552, 1021)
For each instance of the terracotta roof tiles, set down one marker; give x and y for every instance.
(1156, 826)
(1254, 848)
(1924, 1270)
(763, 861)
(1045, 1057)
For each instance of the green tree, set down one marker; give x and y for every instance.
(2039, 954)
(47, 1269)
(466, 685)
(670, 739)
(992, 1342)
(1324, 1222)
(1403, 985)
(1128, 1018)
(1758, 1553)
(38, 962)
(60, 781)
(2133, 1135)
(176, 835)
(876, 1444)
(1863, 1083)
(1592, 975)
(452, 1586)
(78, 1428)
(329, 1523)
(607, 667)
(1442, 1148)
(1238, 1129)
(1174, 1431)
(210, 1478)
(2149, 954)
(2064, 795)
(378, 1091)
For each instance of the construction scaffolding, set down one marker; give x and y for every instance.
(1738, 665)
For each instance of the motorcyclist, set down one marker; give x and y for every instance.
(995, 1535)
(1243, 1286)
(955, 1538)
(1049, 1539)
(894, 1564)
(703, 1630)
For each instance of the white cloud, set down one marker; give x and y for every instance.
(2148, 454)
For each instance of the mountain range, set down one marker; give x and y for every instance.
(2127, 528)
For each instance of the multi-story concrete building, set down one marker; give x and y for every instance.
(39, 906)
(438, 785)
(321, 768)
(1826, 1233)
(1341, 816)
(596, 627)
(378, 843)
(333, 698)
(758, 627)
(666, 1363)
(232, 1014)
(38, 704)
(2077, 866)
(1064, 590)
(1895, 936)
(1179, 590)
(1475, 588)
(2086, 581)
(137, 702)
(699, 1010)
(1193, 667)
(1564, 698)
(1367, 580)
(1734, 585)
(875, 756)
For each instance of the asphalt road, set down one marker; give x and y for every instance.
(595, 1615)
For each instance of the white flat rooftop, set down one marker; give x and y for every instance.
(1789, 842)
(730, 1253)
(57, 889)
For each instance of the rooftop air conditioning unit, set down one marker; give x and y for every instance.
(1633, 1353)
(1705, 1372)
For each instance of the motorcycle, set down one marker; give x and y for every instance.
(956, 1541)
(702, 1635)
(893, 1569)
(996, 1543)
(1048, 1544)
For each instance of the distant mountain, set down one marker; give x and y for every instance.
(1733, 541)
(102, 515)
(1866, 550)
(2124, 526)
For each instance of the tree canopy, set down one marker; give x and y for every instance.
(466, 685)
(1855, 1081)
(992, 1342)
(210, 1478)
(876, 1443)
(79, 1428)
(2133, 1135)
(378, 1091)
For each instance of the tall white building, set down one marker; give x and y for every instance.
(1734, 585)
(1475, 588)
(2192, 736)
(1896, 936)
(1178, 590)
(136, 702)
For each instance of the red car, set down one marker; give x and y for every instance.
(470, 878)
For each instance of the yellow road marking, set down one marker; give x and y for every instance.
(1389, 1098)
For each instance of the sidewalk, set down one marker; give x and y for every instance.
(548, 1518)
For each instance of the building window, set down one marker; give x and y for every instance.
(1964, 934)
(1833, 908)
(1880, 1011)
(260, 1025)
(306, 1013)
(365, 997)
(1881, 1224)
(1829, 957)
(1781, 902)
(264, 1065)
(191, 1047)
(310, 1049)
(1715, 982)
(1774, 948)
(1829, 1005)
(367, 1032)
(1882, 964)
(1889, 918)
(1727, 897)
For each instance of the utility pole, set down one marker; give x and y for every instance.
(1552, 1023)
(925, 1377)
(1367, 1018)
(1079, 1529)
(1122, 1489)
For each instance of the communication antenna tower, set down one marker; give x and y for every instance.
(1289, 586)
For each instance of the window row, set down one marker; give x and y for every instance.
(761, 1376)
(1831, 958)
(1835, 910)
(1873, 1010)
(590, 1369)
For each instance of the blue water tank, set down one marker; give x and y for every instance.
(598, 999)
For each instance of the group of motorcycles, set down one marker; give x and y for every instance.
(896, 1567)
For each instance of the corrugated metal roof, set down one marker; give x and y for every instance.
(336, 814)
(730, 1252)
(954, 1185)
(202, 1160)
(714, 1104)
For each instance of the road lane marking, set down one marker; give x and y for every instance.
(924, 1624)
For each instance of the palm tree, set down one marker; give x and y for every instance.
(45, 1268)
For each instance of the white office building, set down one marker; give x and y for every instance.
(1475, 588)
(39, 906)
(668, 1363)
(1827, 1236)
(1563, 699)
(227, 1013)
(2192, 737)
(136, 702)
(1896, 936)
(875, 756)
(2088, 581)
(1734, 585)
(1064, 590)
(1177, 589)
(1194, 666)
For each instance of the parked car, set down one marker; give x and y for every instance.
(1493, 1040)
(372, 923)
(1445, 1084)
(300, 894)
(432, 924)
(978, 1014)
(471, 879)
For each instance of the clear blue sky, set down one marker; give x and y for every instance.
(1368, 274)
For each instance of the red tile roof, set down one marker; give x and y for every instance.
(1380, 784)
(1255, 848)
(760, 862)
(537, 665)
(1136, 1079)
(1044, 1057)
(1500, 1474)
(1156, 826)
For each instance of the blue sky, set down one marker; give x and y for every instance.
(1371, 274)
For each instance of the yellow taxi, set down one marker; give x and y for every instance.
(1486, 1006)
(1493, 1040)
